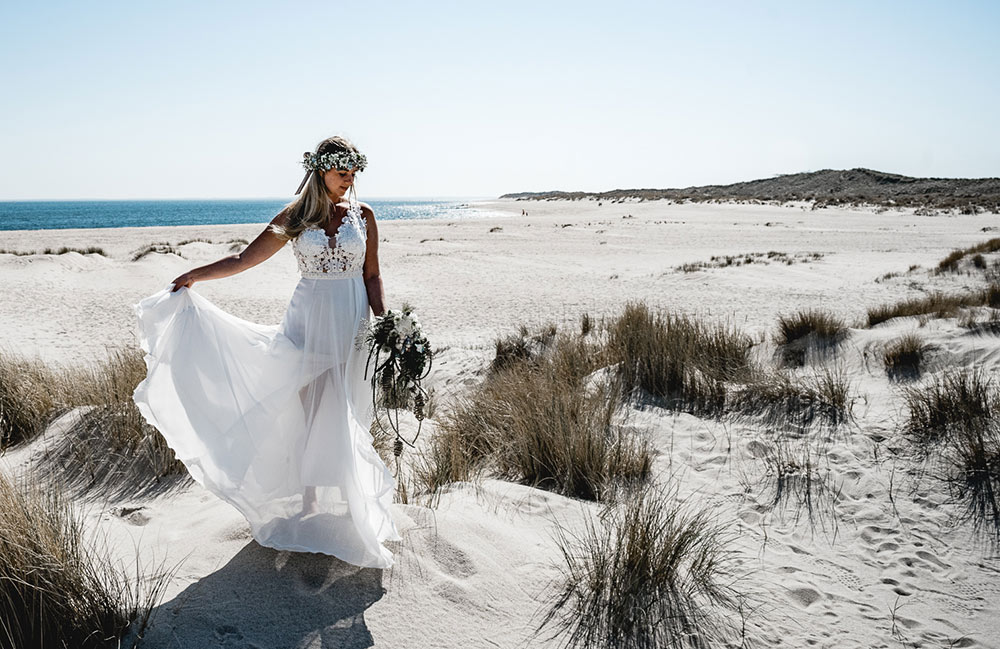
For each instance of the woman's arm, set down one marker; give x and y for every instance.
(373, 280)
(261, 248)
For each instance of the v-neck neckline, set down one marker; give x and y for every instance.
(333, 239)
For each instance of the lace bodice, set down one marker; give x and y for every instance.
(323, 257)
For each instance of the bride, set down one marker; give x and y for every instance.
(275, 419)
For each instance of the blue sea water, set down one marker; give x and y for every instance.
(51, 215)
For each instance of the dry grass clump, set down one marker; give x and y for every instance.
(543, 424)
(904, 357)
(27, 399)
(954, 400)
(822, 325)
(793, 477)
(953, 424)
(806, 330)
(785, 402)
(57, 251)
(56, 590)
(950, 263)
(161, 247)
(521, 347)
(651, 573)
(112, 450)
(940, 305)
(677, 359)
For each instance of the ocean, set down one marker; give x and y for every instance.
(54, 215)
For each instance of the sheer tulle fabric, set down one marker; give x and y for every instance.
(259, 413)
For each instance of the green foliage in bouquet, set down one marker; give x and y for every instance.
(399, 358)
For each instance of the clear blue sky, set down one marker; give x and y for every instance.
(220, 99)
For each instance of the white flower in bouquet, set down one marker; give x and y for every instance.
(404, 326)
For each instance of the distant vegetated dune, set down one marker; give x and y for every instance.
(823, 188)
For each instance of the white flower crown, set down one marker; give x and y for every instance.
(342, 160)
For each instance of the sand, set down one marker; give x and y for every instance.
(475, 571)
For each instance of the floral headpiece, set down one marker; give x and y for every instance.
(342, 160)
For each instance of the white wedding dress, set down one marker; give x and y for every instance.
(260, 413)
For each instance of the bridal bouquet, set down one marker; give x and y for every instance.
(399, 357)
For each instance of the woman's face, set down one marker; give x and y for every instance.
(338, 181)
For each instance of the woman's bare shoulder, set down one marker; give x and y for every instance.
(367, 211)
(281, 218)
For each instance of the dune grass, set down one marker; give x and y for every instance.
(161, 247)
(28, 398)
(938, 304)
(904, 357)
(679, 360)
(784, 402)
(792, 479)
(952, 424)
(56, 589)
(806, 330)
(540, 422)
(650, 573)
(90, 250)
(110, 449)
(950, 263)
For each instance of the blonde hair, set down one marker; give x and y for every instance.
(312, 206)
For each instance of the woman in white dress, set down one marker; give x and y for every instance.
(275, 419)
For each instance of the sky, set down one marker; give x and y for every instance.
(128, 100)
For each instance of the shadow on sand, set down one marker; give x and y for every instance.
(266, 598)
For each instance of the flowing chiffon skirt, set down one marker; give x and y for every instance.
(259, 413)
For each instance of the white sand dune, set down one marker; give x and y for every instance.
(870, 570)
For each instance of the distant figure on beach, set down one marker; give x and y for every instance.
(275, 419)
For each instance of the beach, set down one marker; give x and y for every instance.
(472, 280)
(475, 570)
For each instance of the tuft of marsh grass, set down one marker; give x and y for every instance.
(521, 347)
(57, 590)
(541, 423)
(651, 573)
(678, 359)
(904, 357)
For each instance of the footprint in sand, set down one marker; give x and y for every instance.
(804, 596)
(131, 515)
(229, 637)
